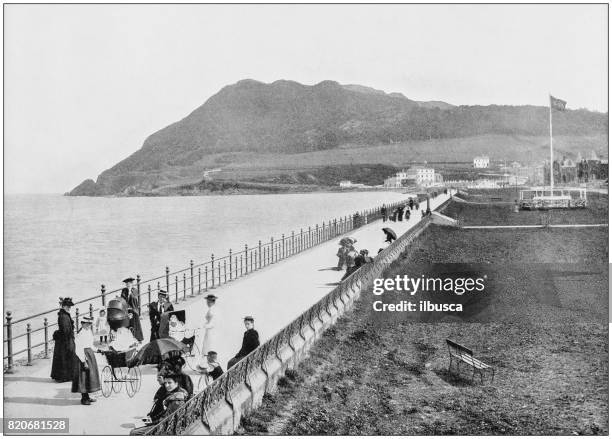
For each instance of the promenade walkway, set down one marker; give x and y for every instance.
(274, 295)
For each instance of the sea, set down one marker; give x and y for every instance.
(57, 246)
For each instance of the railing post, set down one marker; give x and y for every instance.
(9, 342)
(316, 234)
(219, 273)
(175, 289)
(103, 295)
(272, 250)
(149, 293)
(301, 248)
(246, 258)
(259, 254)
(191, 270)
(225, 271)
(309, 244)
(46, 326)
(230, 263)
(292, 242)
(76, 320)
(212, 270)
(90, 311)
(199, 279)
(283, 256)
(29, 340)
(205, 278)
(138, 290)
(184, 285)
(168, 279)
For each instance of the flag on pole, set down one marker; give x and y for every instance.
(557, 104)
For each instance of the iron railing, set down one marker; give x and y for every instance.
(196, 408)
(34, 330)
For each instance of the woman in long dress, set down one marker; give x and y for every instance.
(208, 339)
(62, 368)
(86, 379)
(130, 295)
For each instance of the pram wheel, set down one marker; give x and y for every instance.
(132, 381)
(107, 381)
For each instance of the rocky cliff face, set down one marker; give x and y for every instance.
(286, 117)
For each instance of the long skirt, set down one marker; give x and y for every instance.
(62, 368)
(136, 327)
(86, 381)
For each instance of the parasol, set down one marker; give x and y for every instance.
(348, 240)
(389, 232)
(158, 350)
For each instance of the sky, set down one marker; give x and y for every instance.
(84, 85)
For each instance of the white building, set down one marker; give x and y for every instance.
(481, 161)
(420, 176)
(346, 183)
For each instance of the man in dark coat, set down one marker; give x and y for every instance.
(156, 309)
(250, 341)
(62, 369)
(130, 295)
(383, 212)
(400, 213)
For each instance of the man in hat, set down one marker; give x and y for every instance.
(130, 295)
(156, 310)
(86, 379)
(250, 341)
(62, 368)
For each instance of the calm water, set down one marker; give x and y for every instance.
(67, 246)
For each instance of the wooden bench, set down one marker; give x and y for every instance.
(460, 354)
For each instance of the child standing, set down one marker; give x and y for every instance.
(101, 328)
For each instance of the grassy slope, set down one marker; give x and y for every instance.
(243, 166)
(551, 356)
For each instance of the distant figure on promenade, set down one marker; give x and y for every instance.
(400, 213)
(156, 309)
(130, 295)
(62, 368)
(101, 327)
(208, 337)
(341, 257)
(250, 341)
(407, 214)
(394, 215)
(411, 203)
(417, 205)
(390, 235)
(173, 398)
(86, 378)
(383, 212)
(351, 254)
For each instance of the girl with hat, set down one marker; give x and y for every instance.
(208, 339)
(86, 379)
(62, 368)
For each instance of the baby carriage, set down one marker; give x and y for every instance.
(177, 329)
(123, 366)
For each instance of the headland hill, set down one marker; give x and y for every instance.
(253, 137)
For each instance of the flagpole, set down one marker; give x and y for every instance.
(551, 144)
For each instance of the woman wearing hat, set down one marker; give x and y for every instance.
(208, 340)
(130, 295)
(86, 379)
(62, 368)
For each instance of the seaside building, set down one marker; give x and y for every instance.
(481, 162)
(419, 176)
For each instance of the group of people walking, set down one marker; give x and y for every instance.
(399, 212)
(349, 257)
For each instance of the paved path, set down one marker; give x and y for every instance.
(536, 226)
(275, 296)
